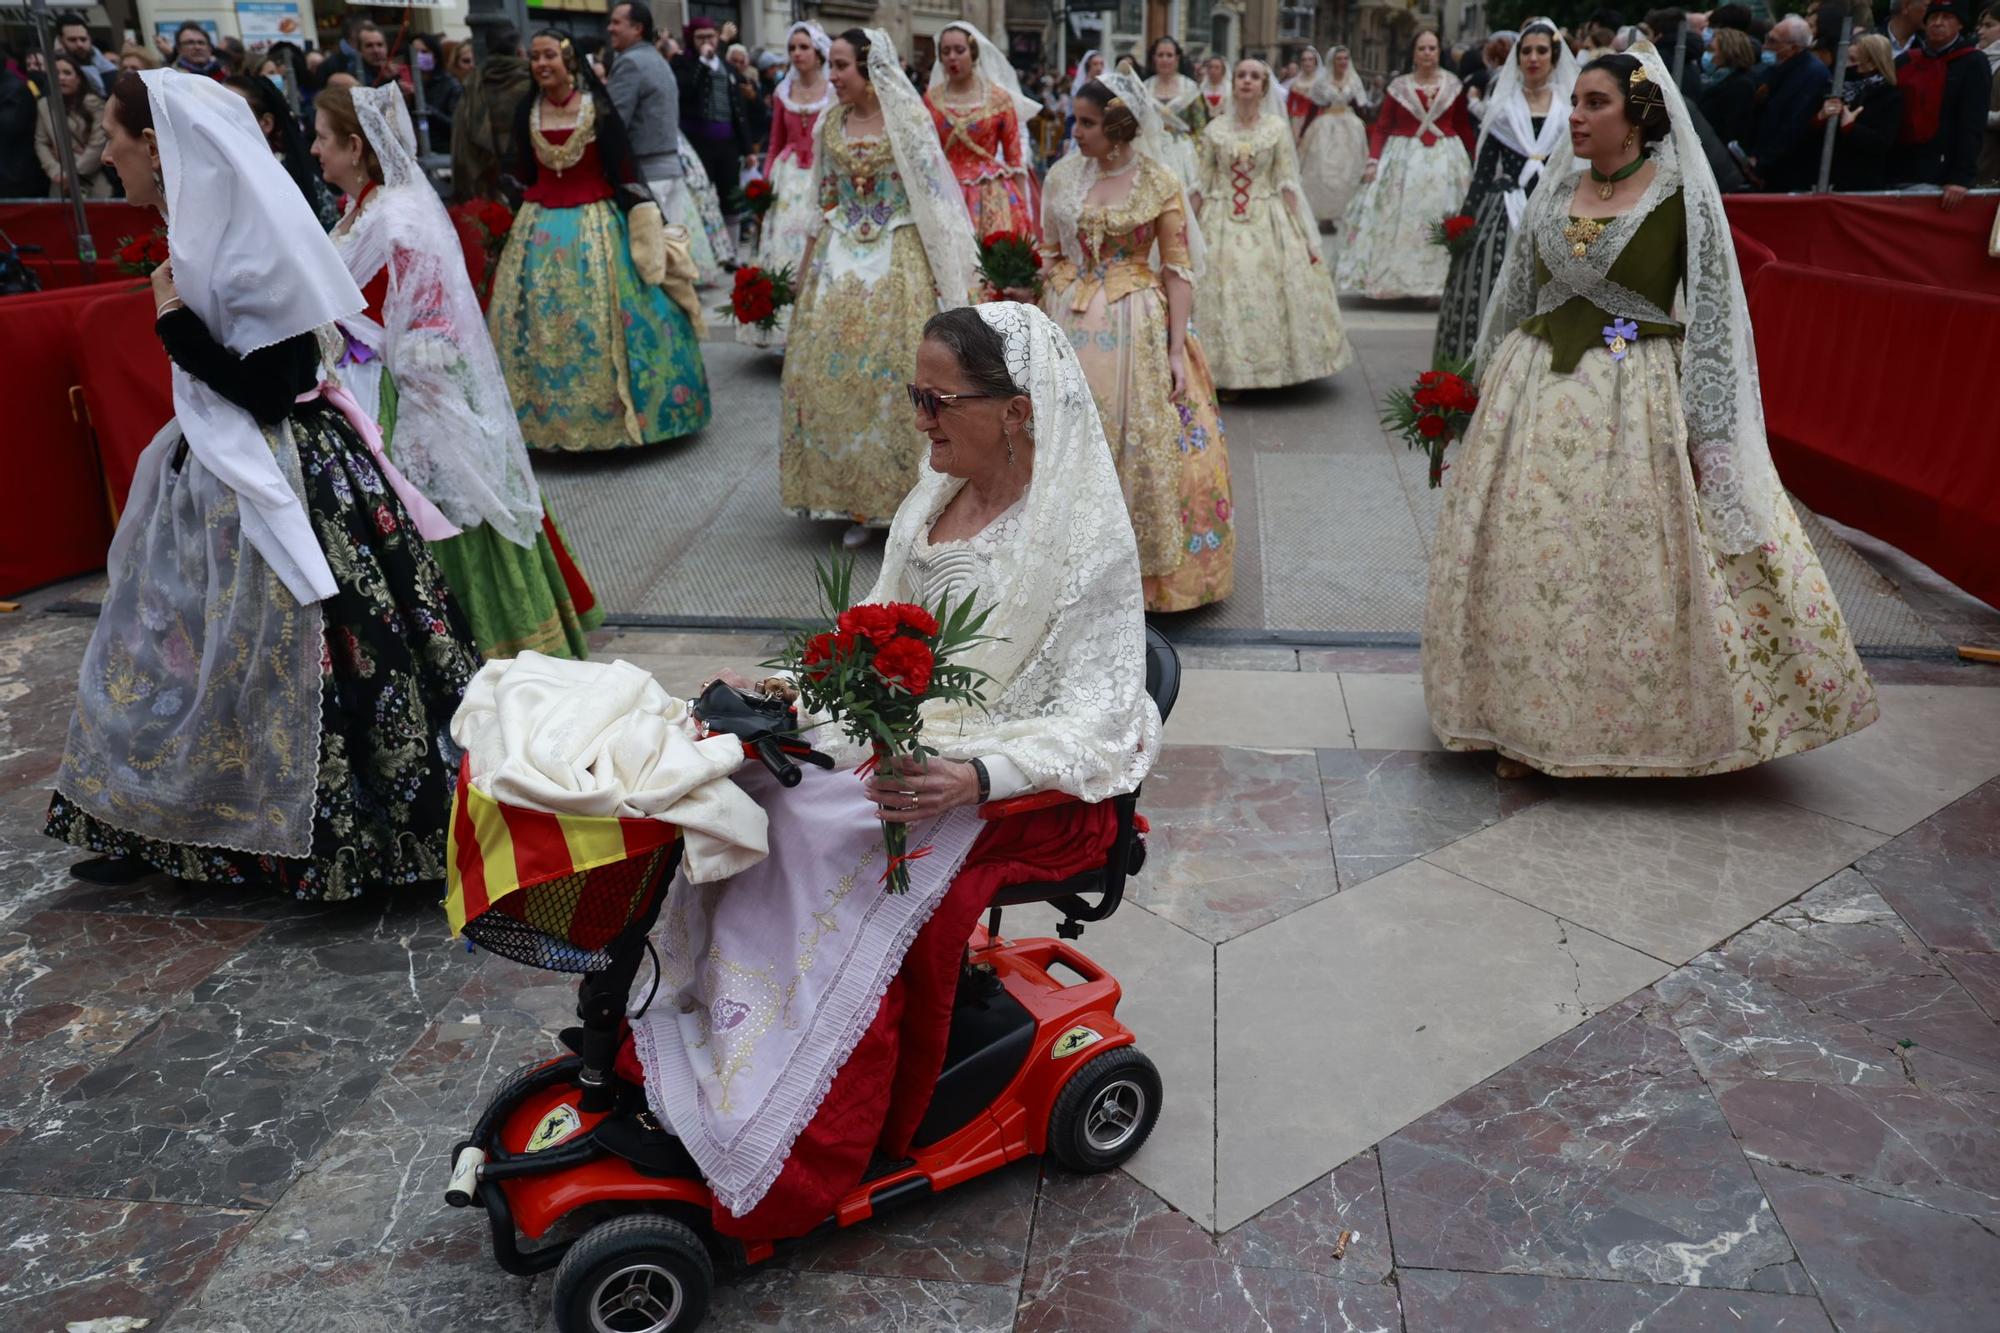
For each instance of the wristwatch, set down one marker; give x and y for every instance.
(985, 782)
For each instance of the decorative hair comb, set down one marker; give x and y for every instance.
(1643, 92)
(1115, 101)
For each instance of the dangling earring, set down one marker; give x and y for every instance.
(1007, 433)
(1631, 137)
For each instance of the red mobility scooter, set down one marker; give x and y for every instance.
(1034, 1065)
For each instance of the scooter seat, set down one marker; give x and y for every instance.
(640, 1140)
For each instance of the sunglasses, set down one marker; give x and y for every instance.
(931, 403)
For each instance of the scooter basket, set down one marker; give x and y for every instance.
(567, 924)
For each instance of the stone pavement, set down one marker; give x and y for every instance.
(1700, 1056)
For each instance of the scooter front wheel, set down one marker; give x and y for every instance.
(635, 1274)
(1105, 1112)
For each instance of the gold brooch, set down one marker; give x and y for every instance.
(1582, 233)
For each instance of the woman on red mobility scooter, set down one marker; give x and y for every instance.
(804, 1013)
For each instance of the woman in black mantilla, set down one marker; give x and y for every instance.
(1526, 119)
(267, 697)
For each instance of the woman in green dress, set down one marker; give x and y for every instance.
(420, 360)
(1619, 586)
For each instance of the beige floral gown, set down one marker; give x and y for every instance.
(848, 442)
(1265, 307)
(1580, 619)
(1172, 461)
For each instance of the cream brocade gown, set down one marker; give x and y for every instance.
(1172, 460)
(848, 443)
(1266, 310)
(1579, 618)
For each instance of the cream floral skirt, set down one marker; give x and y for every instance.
(1388, 253)
(1578, 619)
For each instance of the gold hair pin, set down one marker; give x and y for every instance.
(1639, 76)
(1116, 101)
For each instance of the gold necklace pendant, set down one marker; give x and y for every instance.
(1606, 190)
(1582, 233)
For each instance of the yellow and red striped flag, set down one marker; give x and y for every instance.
(499, 851)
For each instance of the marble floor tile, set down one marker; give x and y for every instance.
(1303, 1230)
(1386, 807)
(1736, 1027)
(779, 1300)
(1932, 744)
(1443, 1302)
(1601, 1155)
(1885, 1265)
(66, 1261)
(1260, 709)
(1943, 876)
(1168, 978)
(231, 1093)
(1979, 973)
(1108, 1257)
(1388, 712)
(1348, 1020)
(1668, 869)
(77, 987)
(976, 1232)
(1239, 839)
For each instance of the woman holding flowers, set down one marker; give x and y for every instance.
(891, 248)
(982, 116)
(595, 357)
(1416, 173)
(1619, 586)
(795, 111)
(784, 1071)
(1265, 304)
(1525, 119)
(420, 359)
(1124, 257)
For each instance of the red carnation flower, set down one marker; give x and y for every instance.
(1430, 425)
(877, 624)
(906, 664)
(1455, 227)
(823, 650)
(914, 618)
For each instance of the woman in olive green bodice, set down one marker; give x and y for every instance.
(1619, 586)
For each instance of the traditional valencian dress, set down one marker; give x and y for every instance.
(1618, 585)
(1266, 306)
(1514, 146)
(267, 695)
(801, 1021)
(1172, 460)
(420, 360)
(1183, 114)
(1334, 151)
(595, 357)
(893, 247)
(789, 223)
(1419, 143)
(988, 155)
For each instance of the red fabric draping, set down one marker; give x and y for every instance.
(126, 382)
(879, 1097)
(1903, 238)
(47, 224)
(1871, 418)
(54, 522)
(1751, 256)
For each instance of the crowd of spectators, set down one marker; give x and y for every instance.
(1918, 105)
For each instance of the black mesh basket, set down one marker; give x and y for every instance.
(567, 924)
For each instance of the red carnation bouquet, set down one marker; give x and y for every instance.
(758, 196)
(1010, 259)
(1453, 233)
(490, 221)
(759, 295)
(140, 255)
(870, 671)
(1434, 413)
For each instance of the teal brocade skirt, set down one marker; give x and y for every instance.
(594, 358)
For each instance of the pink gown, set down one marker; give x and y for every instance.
(984, 148)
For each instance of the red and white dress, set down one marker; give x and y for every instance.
(987, 153)
(796, 208)
(1421, 146)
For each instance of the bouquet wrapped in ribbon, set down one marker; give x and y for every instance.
(140, 255)
(1453, 233)
(759, 295)
(758, 196)
(870, 672)
(1434, 412)
(1010, 260)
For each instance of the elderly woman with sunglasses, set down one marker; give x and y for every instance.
(1017, 505)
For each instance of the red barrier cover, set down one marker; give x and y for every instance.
(126, 382)
(1872, 418)
(1902, 238)
(54, 521)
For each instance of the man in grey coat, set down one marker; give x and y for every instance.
(648, 100)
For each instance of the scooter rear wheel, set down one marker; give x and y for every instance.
(636, 1274)
(1105, 1111)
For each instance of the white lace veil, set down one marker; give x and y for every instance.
(993, 67)
(822, 44)
(936, 202)
(251, 260)
(1327, 89)
(1720, 395)
(1071, 179)
(1288, 158)
(1067, 701)
(1508, 117)
(1082, 70)
(457, 438)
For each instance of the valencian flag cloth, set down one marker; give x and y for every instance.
(548, 871)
